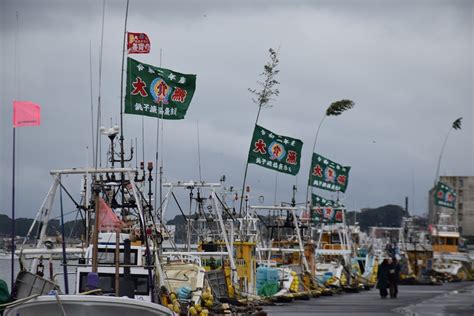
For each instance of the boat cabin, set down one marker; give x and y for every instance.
(106, 267)
(445, 241)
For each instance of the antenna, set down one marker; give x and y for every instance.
(122, 153)
(276, 189)
(17, 59)
(92, 102)
(97, 145)
(143, 138)
(159, 168)
(199, 151)
(136, 156)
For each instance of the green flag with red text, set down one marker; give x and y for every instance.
(444, 196)
(273, 151)
(317, 200)
(157, 92)
(328, 175)
(325, 210)
(327, 215)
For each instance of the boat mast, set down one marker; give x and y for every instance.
(122, 154)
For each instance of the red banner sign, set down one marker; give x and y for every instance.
(138, 43)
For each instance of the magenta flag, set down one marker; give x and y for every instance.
(26, 113)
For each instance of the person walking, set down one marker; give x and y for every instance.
(382, 278)
(393, 277)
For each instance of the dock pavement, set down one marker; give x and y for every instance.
(446, 299)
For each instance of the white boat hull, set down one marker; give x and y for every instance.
(87, 305)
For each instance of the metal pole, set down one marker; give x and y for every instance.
(122, 163)
(189, 219)
(300, 242)
(63, 237)
(95, 240)
(92, 102)
(13, 213)
(158, 166)
(141, 214)
(117, 261)
(122, 159)
(17, 75)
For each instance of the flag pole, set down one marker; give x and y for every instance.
(247, 164)
(98, 142)
(309, 186)
(162, 145)
(17, 74)
(335, 109)
(159, 167)
(263, 99)
(122, 154)
(13, 211)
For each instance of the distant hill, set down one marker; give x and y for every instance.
(388, 216)
(177, 220)
(22, 225)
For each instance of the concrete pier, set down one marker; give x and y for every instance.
(446, 299)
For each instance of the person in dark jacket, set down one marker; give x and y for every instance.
(382, 278)
(393, 276)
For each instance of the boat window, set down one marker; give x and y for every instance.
(335, 239)
(107, 256)
(450, 241)
(107, 283)
(211, 262)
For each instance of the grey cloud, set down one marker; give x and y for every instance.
(410, 78)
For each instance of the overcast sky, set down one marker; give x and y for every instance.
(406, 64)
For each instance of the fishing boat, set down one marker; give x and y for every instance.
(449, 262)
(365, 260)
(79, 305)
(122, 259)
(286, 257)
(336, 258)
(210, 226)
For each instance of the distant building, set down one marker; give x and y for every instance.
(464, 187)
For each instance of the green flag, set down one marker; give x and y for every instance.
(327, 215)
(316, 214)
(339, 216)
(328, 175)
(325, 210)
(320, 201)
(445, 196)
(157, 92)
(277, 152)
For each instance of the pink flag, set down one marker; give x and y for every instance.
(26, 113)
(107, 218)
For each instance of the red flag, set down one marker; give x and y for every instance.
(26, 113)
(138, 43)
(107, 218)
